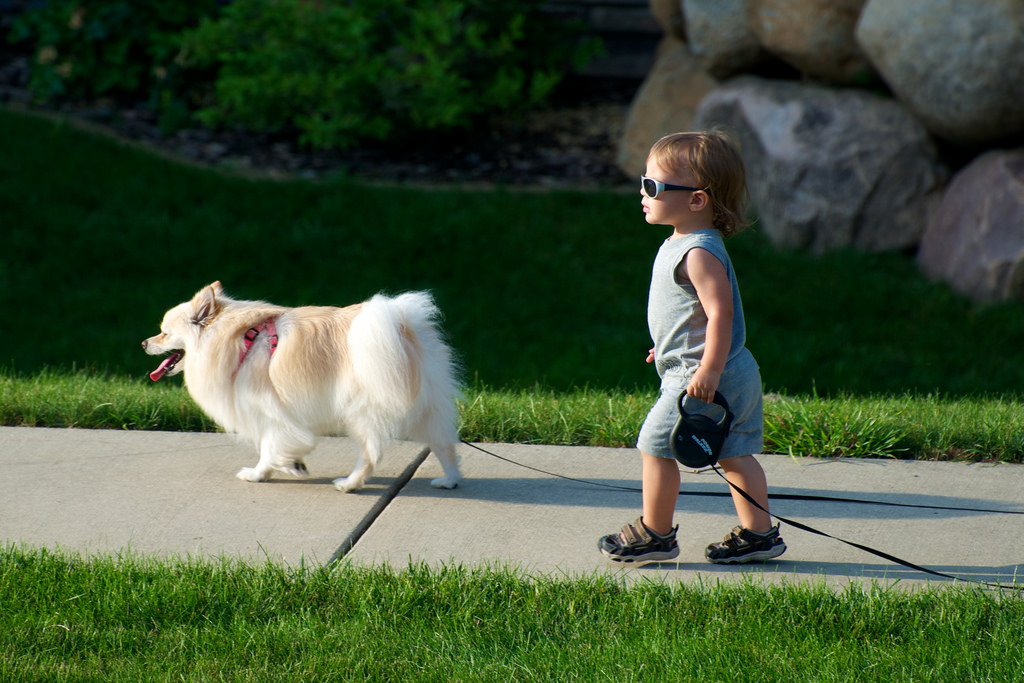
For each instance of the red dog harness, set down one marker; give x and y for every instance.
(250, 339)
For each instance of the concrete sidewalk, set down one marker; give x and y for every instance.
(174, 494)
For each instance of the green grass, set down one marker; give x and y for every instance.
(544, 295)
(907, 426)
(127, 619)
(538, 288)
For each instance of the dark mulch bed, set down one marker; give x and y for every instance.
(570, 143)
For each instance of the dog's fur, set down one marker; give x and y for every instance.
(377, 371)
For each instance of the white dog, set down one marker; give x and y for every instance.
(378, 371)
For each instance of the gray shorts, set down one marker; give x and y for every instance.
(741, 386)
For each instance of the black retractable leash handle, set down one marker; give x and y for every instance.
(697, 440)
(798, 525)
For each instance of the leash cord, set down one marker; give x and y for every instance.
(793, 523)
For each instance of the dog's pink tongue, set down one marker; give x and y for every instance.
(162, 370)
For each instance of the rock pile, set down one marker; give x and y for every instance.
(871, 124)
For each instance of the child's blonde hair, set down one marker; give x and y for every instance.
(717, 168)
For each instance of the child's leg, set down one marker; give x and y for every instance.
(660, 480)
(744, 471)
(652, 538)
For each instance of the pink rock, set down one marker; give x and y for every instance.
(975, 241)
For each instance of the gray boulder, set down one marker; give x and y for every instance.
(975, 241)
(665, 103)
(958, 66)
(720, 37)
(815, 36)
(669, 15)
(827, 168)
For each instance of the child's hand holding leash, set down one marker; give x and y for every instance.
(704, 384)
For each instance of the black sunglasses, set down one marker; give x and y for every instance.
(652, 188)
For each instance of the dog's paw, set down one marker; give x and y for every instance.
(347, 484)
(251, 474)
(445, 482)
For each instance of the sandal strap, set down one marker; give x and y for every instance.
(635, 533)
(733, 538)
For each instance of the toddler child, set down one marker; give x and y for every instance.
(696, 183)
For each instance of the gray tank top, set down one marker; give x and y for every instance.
(675, 317)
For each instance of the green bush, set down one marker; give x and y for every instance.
(107, 47)
(336, 71)
(341, 72)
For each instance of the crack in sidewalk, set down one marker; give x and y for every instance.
(378, 508)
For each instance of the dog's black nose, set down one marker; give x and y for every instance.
(145, 343)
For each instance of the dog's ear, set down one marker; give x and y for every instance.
(205, 305)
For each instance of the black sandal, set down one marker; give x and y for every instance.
(637, 543)
(743, 545)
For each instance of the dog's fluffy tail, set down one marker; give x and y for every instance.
(399, 358)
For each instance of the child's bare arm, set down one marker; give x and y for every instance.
(712, 284)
